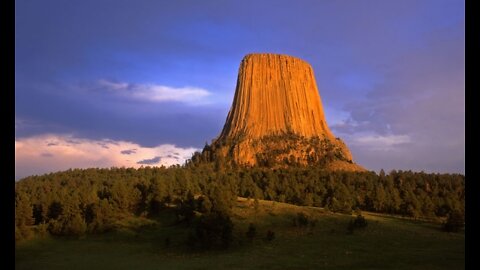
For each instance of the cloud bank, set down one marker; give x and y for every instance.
(53, 152)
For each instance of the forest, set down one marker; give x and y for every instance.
(81, 201)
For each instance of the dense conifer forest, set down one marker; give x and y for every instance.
(80, 201)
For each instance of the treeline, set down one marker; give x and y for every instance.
(82, 201)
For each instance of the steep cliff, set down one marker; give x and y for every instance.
(277, 118)
(275, 94)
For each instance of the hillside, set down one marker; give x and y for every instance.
(190, 217)
(140, 243)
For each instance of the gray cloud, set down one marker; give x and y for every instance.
(173, 156)
(129, 151)
(103, 145)
(151, 161)
(73, 141)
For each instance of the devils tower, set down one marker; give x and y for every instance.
(277, 119)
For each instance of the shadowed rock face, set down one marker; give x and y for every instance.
(277, 118)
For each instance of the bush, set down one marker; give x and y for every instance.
(302, 220)
(358, 223)
(185, 210)
(214, 230)
(270, 236)
(252, 231)
(455, 222)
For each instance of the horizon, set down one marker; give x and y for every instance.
(147, 84)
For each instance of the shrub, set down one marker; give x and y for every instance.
(270, 236)
(252, 231)
(302, 220)
(455, 222)
(358, 223)
(214, 230)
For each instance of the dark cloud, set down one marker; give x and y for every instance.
(129, 151)
(151, 161)
(173, 156)
(71, 141)
(103, 145)
(47, 155)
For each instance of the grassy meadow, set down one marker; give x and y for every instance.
(140, 243)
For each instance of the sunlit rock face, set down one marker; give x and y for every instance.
(277, 118)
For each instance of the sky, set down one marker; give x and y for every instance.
(146, 83)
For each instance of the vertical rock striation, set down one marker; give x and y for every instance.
(277, 118)
(275, 94)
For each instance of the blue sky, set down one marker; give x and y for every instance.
(98, 78)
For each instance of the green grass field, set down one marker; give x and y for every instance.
(139, 243)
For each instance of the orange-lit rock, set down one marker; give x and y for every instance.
(277, 118)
